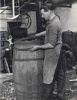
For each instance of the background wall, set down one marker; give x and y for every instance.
(33, 26)
(68, 17)
(3, 20)
(9, 14)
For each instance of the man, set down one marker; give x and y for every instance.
(52, 46)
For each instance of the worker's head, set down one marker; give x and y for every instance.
(46, 10)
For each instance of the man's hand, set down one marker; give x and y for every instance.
(34, 48)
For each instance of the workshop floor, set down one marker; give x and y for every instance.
(7, 91)
(71, 85)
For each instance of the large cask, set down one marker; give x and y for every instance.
(28, 71)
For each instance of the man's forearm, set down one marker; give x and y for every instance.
(45, 46)
(41, 33)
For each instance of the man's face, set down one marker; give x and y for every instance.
(44, 14)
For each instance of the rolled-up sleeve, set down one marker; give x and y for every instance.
(52, 30)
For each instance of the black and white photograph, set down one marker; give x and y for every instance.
(38, 49)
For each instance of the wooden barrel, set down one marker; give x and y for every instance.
(28, 71)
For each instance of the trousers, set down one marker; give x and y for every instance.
(48, 91)
(59, 78)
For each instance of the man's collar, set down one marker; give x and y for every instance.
(49, 21)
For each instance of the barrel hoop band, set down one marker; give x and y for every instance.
(29, 96)
(30, 59)
(18, 49)
(38, 85)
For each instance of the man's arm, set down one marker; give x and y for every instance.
(46, 46)
(40, 34)
(39, 47)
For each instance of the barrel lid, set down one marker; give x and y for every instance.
(27, 44)
(30, 42)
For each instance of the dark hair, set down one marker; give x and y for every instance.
(48, 6)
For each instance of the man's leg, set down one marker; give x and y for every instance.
(47, 91)
(61, 85)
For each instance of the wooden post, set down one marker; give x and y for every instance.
(38, 16)
(13, 8)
